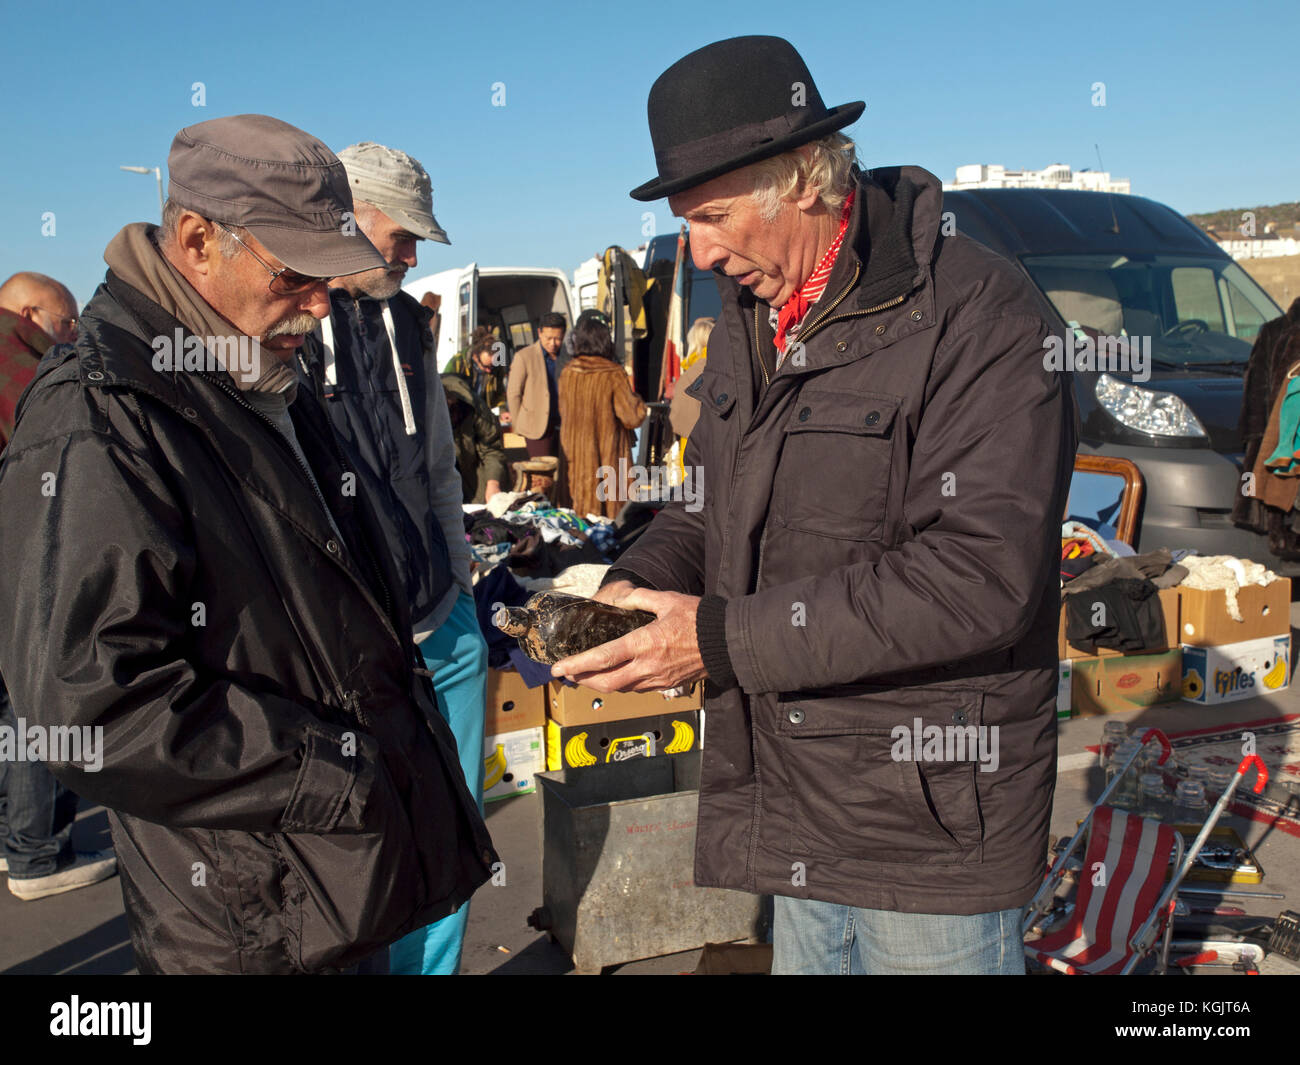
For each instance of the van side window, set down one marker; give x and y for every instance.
(1197, 296)
(1246, 315)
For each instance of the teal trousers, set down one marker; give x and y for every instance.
(457, 657)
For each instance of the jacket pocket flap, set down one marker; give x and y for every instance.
(716, 394)
(863, 413)
(951, 710)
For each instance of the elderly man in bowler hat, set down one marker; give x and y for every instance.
(870, 590)
(192, 572)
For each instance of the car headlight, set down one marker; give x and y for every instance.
(1147, 411)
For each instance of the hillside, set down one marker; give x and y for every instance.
(1284, 216)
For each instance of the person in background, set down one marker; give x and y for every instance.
(36, 312)
(532, 389)
(684, 409)
(373, 361)
(481, 367)
(598, 411)
(36, 811)
(480, 455)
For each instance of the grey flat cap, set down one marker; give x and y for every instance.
(283, 185)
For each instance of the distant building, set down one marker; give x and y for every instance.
(1056, 176)
(1266, 245)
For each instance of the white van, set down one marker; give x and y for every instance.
(509, 299)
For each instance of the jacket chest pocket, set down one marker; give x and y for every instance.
(834, 473)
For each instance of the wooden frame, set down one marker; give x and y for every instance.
(1130, 503)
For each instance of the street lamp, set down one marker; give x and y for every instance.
(156, 172)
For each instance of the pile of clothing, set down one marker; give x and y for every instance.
(1110, 600)
(530, 535)
(521, 544)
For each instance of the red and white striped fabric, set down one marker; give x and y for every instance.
(1133, 855)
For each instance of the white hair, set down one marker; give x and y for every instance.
(825, 164)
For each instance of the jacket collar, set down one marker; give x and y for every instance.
(115, 348)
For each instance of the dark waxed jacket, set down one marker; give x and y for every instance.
(878, 545)
(395, 468)
(284, 795)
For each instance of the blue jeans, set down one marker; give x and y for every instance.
(36, 812)
(457, 657)
(811, 938)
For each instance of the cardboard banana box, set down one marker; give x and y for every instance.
(578, 746)
(511, 761)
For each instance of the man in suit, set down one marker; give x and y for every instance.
(533, 392)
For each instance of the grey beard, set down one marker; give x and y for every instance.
(377, 284)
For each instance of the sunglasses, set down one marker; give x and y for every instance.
(284, 282)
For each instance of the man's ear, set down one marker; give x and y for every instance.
(809, 195)
(196, 242)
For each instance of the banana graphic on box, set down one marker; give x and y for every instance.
(1276, 677)
(494, 767)
(576, 753)
(683, 738)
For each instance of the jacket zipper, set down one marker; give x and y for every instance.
(374, 566)
(230, 391)
(813, 327)
(858, 314)
(280, 435)
(758, 350)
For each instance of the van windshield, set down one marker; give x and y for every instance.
(1197, 311)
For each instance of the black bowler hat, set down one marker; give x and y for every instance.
(730, 104)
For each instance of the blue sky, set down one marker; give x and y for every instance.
(1200, 103)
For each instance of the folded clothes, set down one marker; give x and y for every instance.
(1156, 566)
(1122, 615)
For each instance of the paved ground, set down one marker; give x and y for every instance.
(85, 931)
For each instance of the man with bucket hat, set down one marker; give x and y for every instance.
(373, 365)
(870, 589)
(198, 589)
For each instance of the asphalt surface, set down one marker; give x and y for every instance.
(84, 931)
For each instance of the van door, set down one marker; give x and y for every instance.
(466, 306)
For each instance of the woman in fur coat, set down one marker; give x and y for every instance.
(598, 411)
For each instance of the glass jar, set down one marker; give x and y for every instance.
(1113, 733)
(1217, 782)
(1155, 797)
(1126, 795)
(1190, 805)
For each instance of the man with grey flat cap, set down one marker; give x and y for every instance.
(372, 363)
(194, 576)
(870, 589)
